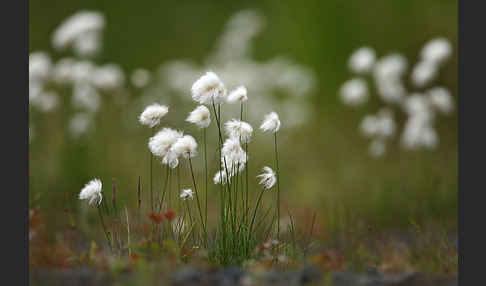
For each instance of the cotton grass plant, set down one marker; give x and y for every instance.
(243, 221)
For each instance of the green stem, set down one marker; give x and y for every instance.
(104, 227)
(205, 177)
(278, 186)
(197, 199)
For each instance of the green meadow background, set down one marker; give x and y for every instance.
(325, 166)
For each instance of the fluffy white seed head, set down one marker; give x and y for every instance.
(161, 142)
(39, 66)
(92, 192)
(271, 123)
(239, 94)
(267, 178)
(233, 157)
(436, 51)
(221, 177)
(185, 146)
(187, 194)
(354, 92)
(140, 77)
(387, 74)
(108, 77)
(239, 130)
(200, 116)
(79, 30)
(423, 73)
(152, 114)
(362, 60)
(208, 89)
(441, 99)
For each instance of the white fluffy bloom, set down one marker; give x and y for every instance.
(362, 60)
(185, 146)
(79, 124)
(140, 77)
(423, 73)
(152, 114)
(354, 92)
(436, 51)
(382, 125)
(108, 77)
(239, 94)
(387, 73)
(187, 194)
(81, 30)
(221, 177)
(419, 133)
(268, 178)
(92, 192)
(441, 99)
(239, 130)
(46, 101)
(200, 116)
(271, 123)
(208, 89)
(85, 96)
(233, 156)
(39, 66)
(161, 142)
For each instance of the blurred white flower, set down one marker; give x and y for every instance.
(79, 124)
(79, 31)
(239, 130)
(92, 192)
(354, 92)
(238, 95)
(208, 89)
(185, 146)
(436, 51)
(108, 77)
(423, 73)
(39, 66)
(45, 101)
(271, 123)
(186, 194)
(362, 60)
(140, 77)
(268, 178)
(85, 96)
(200, 116)
(441, 99)
(387, 73)
(152, 114)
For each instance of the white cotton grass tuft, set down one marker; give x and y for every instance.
(423, 73)
(436, 51)
(362, 60)
(92, 192)
(140, 77)
(239, 130)
(152, 114)
(354, 92)
(200, 116)
(221, 177)
(271, 123)
(233, 156)
(161, 142)
(268, 178)
(387, 73)
(208, 89)
(185, 146)
(239, 94)
(441, 99)
(82, 31)
(187, 194)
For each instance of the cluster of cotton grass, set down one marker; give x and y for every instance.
(232, 59)
(72, 67)
(234, 239)
(393, 89)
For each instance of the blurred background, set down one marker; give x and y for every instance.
(160, 47)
